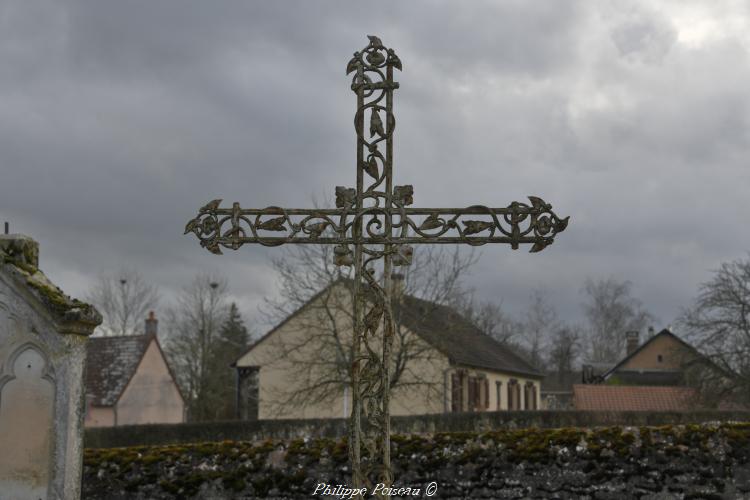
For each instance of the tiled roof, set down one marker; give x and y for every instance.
(459, 339)
(633, 398)
(110, 364)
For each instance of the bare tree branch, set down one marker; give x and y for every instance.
(124, 298)
(193, 330)
(718, 323)
(319, 359)
(610, 311)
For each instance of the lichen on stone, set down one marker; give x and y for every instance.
(19, 257)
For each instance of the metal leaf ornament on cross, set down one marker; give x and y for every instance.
(476, 226)
(376, 124)
(540, 245)
(213, 248)
(315, 230)
(371, 167)
(210, 207)
(393, 59)
(353, 62)
(192, 226)
(375, 58)
(539, 203)
(543, 225)
(373, 317)
(431, 222)
(275, 224)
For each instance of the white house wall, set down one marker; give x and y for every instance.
(151, 396)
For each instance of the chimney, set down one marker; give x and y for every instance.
(631, 339)
(152, 324)
(397, 285)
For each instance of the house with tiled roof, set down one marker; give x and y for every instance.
(663, 360)
(128, 381)
(464, 369)
(659, 375)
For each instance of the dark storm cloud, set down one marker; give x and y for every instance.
(118, 120)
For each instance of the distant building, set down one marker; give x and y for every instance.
(128, 381)
(658, 375)
(557, 389)
(663, 360)
(470, 370)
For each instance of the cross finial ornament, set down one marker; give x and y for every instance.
(374, 222)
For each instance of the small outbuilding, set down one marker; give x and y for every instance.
(129, 381)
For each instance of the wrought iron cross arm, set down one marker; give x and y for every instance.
(516, 224)
(218, 227)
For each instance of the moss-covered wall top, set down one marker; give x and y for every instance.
(681, 461)
(19, 258)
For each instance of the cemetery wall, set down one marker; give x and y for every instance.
(155, 434)
(707, 461)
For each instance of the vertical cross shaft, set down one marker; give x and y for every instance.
(370, 418)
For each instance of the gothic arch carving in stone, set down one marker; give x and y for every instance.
(27, 404)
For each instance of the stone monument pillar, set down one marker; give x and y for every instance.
(43, 333)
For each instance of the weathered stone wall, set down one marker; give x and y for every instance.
(452, 422)
(709, 461)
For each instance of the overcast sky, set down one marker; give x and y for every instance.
(118, 120)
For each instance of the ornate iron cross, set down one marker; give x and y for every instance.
(372, 223)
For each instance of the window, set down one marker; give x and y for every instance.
(486, 401)
(498, 393)
(659, 358)
(473, 394)
(478, 393)
(514, 395)
(457, 393)
(529, 396)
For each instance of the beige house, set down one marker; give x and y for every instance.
(663, 360)
(453, 366)
(128, 381)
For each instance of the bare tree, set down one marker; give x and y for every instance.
(540, 322)
(489, 317)
(719, 324)
(123, 298)
(610, 311)
(320, 360)
(193, 328)
(565, 345)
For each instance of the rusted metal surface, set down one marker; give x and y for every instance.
(519, 223)
(374, 223)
